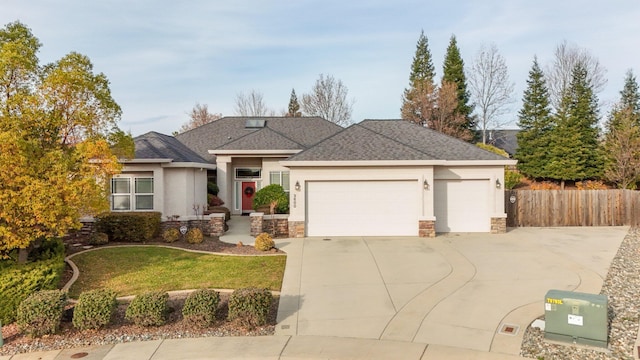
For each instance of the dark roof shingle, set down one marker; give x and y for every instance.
(392, 140)
(153, 145)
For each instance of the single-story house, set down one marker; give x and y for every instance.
(164, 176)
(374, 178)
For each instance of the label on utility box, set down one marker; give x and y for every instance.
(575, 320)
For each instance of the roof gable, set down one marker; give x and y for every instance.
(153, 145)
(231, 133)
(392, 140)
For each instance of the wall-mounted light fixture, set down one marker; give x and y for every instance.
(425, 184)
(297, 186)
(498, 184)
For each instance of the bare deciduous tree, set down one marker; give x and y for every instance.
(491, 89)
(199, 116)
(328, 99)
(251, 104)
(560, 72)
(435, 108)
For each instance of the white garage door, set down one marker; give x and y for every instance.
(362, 208)
(462, 205)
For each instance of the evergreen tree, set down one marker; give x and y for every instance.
(453, 71)
(535, 122)
(622, 140)
(575, 151)
(422, 68)
(420, 78)
(630, 95)
(294, 105)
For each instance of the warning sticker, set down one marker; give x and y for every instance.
(575, 320)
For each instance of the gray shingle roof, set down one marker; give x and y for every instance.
(392, 140)
(279, 133)
(153, 145)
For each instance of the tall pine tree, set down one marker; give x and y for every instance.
(422, 69)
(420, 79)
(575, 152)
(630, 95)
(622, 139)
(535, 122)
(294, 105)
(453, 71)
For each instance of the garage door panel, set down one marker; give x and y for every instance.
(362, 208)
(462, 205)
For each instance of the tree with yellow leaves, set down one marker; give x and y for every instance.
(55, 125)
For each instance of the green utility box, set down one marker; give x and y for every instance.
(576, 318)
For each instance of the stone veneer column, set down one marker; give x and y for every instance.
(216, 224)
(296, 229)
(255, 219)
(427, 228)
(498, 225)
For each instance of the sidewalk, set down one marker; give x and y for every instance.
(265, 347)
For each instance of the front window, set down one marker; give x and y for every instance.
(281, 178)
(246, 173)
(124, 197)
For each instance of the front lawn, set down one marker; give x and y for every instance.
(133, 270)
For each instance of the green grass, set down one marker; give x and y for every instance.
(134, 270)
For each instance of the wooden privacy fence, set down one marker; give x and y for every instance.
(572, 207)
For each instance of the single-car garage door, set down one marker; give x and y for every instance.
(362, 208)
(462, 205)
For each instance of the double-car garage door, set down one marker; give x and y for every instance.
(392, 208)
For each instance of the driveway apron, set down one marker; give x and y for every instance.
(455, 290)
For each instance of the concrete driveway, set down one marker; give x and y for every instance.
(471, 291)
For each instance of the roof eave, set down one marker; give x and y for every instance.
(360, 163)
(145, 161)
(195, 165)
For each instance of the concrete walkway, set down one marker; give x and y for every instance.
(452, 297)
(239, 230)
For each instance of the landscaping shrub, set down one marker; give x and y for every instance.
(148, 309)
(221, 209)
(212, 188)
(41, 312)
(200, 307)
(98, 238)
(493, 149)
(213, 200)
(511, 179)
(270, 193)
(590, 185)
(171, 235)
(250, 306)
(129, 226)
(264, 242)
(18, 281)
(194, 236)
(47, 249)
(94, 309)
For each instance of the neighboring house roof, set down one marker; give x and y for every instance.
(392, 140)
(153, 145)
(504, 139)
(278, 133)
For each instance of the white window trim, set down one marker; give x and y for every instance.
(132, 194)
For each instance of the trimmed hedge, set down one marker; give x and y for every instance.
(18, 281)
(41, 312)
(148, 309)
(171, 235)
(98, 238)
(94, 309)
(200, 307)
(129, 226)
(250, 306)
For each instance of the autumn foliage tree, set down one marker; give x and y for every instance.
(55, 124)
(435, 108)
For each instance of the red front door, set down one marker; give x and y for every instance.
(248, 190)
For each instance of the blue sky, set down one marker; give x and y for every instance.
(164, 56)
